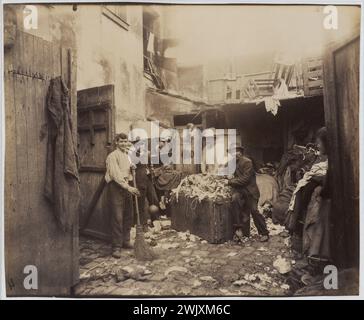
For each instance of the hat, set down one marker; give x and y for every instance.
(236, 147)
(240, 148)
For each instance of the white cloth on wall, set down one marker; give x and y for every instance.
(150, 47)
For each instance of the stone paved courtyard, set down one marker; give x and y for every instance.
(188, 266)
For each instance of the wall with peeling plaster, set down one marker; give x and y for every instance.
(106, 52)
(163, 107)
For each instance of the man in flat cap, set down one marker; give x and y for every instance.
(245, 197)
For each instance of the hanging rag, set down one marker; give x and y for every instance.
(271, 105)
(150, 47)
(62, 180)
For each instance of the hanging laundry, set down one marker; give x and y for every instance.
(280, 90)
(150, 47)
(271, 105)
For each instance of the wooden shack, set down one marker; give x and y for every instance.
(32, 236)
(341, 93)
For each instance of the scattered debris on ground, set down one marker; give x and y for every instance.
(187, 265)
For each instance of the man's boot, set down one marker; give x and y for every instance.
(127, 245)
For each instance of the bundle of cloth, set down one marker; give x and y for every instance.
(268, 189)
(292, 167)
(166, 178)
(316, 230)
(204, 186)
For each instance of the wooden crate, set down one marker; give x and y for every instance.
(206, 219)
(312, 69)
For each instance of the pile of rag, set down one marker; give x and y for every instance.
(204, 186)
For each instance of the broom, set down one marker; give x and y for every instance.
(142, 250)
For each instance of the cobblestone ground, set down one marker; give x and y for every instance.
(188, 266)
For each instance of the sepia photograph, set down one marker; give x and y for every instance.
(171, 149)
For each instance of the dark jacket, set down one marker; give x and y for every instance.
(244, 177)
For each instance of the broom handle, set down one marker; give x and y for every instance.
(136, 197)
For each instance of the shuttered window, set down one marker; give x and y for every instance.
(118, 14)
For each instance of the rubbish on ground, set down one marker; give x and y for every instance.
(240, 282)
(167, 246)
(231, 254)
(157, 226)
(175, 269)
(282, 265)
(196, 283)
(285, 286)
(275, 229)
(208, 279)
(258, 281)
(287, 242)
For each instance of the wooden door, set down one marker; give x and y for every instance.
(32, 236)
(341, 76)
(95, 128)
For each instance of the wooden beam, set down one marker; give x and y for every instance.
(96, 127)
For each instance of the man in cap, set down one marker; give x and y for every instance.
(245, 196)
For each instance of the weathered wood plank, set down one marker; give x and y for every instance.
(10, 186)
(21, 256)
(49, 248)
(315, 92)
(347, 89)
(315, 83)
(73, 105)
(315, 74)
(345, 247)
(40, 143)
(314, 64)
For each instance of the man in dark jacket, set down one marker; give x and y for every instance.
(245, 197)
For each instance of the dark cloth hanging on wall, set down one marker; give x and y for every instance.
(62, 180)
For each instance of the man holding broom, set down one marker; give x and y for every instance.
(119, 192)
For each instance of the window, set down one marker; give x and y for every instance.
(228, 93)
(118, 14)
(237, 94)
(151, 45)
